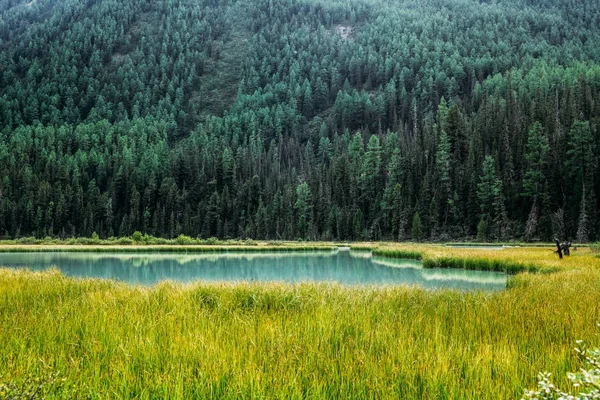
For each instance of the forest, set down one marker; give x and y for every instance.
(300, 119)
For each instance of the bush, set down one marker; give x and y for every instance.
(137, 236)
(27, 240)
(183, 239)
(160, 241)
(147, 239)
(49, 240)
(48, 384)
(212, 241)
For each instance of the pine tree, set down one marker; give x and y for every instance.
(489, 192)
(536, 153)
(582, 163)
(584, 228)
(302, 206)
(417, 227)
(443, 160)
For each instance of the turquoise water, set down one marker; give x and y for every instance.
(345, 267)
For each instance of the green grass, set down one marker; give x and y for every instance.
(508, 267)
(110, 340)
(480, 264)
(142, 240)
(160, 249)
(398, 253)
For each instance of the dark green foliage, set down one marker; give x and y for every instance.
(417, 227)
(311, 119)
(536, 155)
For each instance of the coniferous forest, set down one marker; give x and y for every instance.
(311, 119)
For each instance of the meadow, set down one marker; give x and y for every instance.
(101, 339)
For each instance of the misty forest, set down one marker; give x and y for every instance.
(300, 119)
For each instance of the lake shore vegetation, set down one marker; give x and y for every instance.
(296, 341)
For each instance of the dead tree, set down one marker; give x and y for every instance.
(559, 249)
(566, 247)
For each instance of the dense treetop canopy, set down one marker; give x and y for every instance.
(313, 119)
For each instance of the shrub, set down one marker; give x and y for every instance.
(183, 239)
(27, 240)
(587, 380)
(212, 241)
(147, 239)
(137, 236)
(160, 241)
(48, 384)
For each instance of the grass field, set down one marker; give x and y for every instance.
(100, 339)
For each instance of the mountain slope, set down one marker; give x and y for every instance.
(313, 119)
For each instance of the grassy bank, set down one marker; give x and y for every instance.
(138, 239)
(109, 340)
(512, 244)
(159, 249)
(512, 261)
(139, 243)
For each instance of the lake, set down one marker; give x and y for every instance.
(344, 267)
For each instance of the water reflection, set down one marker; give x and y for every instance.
(345, 267)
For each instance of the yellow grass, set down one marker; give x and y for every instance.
(110, 340)
(542, 259)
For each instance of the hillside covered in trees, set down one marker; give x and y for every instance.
(312, 119)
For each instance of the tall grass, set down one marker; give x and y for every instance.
(110, 340)
(292, 341)
(511, 261)
(399, 253)
(480, 263)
